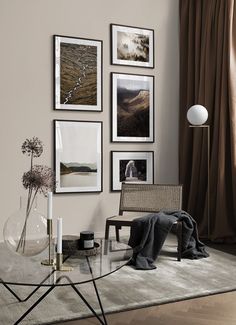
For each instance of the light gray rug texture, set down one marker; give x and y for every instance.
(128, 288)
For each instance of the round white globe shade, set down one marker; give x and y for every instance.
(197, 115)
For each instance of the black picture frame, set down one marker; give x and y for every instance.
(78, 73)
(132, 108)
(142, 163)
(78, 156)
(132, 46)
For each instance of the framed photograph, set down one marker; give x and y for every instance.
(77, 74)
(132, 46)
(78, 156)
(132, 108)
(131, 167)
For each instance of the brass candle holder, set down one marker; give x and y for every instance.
(59, 264)
(50, 260)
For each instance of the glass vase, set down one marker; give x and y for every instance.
(25, 231)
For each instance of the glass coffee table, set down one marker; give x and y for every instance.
(28, 271)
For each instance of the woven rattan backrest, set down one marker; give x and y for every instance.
(150, 197)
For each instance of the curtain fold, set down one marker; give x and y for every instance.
(208, 77)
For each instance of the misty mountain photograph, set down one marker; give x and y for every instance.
(132, 46)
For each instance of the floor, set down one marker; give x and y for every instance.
(211, 310)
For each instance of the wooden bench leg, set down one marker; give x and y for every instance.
(179, 236)
(107, 230)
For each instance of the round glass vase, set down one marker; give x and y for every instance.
(25, 231)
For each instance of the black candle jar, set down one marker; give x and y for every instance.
(86, 240)
(70, 244)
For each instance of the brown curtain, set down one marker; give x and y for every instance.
(208, 77)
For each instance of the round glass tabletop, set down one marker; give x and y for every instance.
(19, 270)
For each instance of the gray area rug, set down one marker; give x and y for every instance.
(129, 289)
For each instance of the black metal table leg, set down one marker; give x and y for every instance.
(96, 290)
(102, 321)
(86, 302)
(12, 292)
(100, 303)
(34, 305)
(31, 294)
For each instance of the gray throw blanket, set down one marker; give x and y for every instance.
(148, 234)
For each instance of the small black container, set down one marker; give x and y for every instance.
(70, 244)
(86, 240)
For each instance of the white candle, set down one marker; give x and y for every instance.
(49, 205)
(59, 235)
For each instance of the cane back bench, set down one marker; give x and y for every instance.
(150, 198)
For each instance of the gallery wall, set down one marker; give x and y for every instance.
(26, 86)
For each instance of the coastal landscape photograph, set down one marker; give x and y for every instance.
(78, 156)
(76, 174)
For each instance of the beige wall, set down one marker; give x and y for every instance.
(26, 87)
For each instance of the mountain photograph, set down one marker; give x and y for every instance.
(133, 108)
(132, 46)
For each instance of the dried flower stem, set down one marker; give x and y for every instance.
(39, 179)
(22, 241)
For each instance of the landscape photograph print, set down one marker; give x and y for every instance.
(132, 46)
(132, 108)
(131, 167)
(78, 156)
(78, 74)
